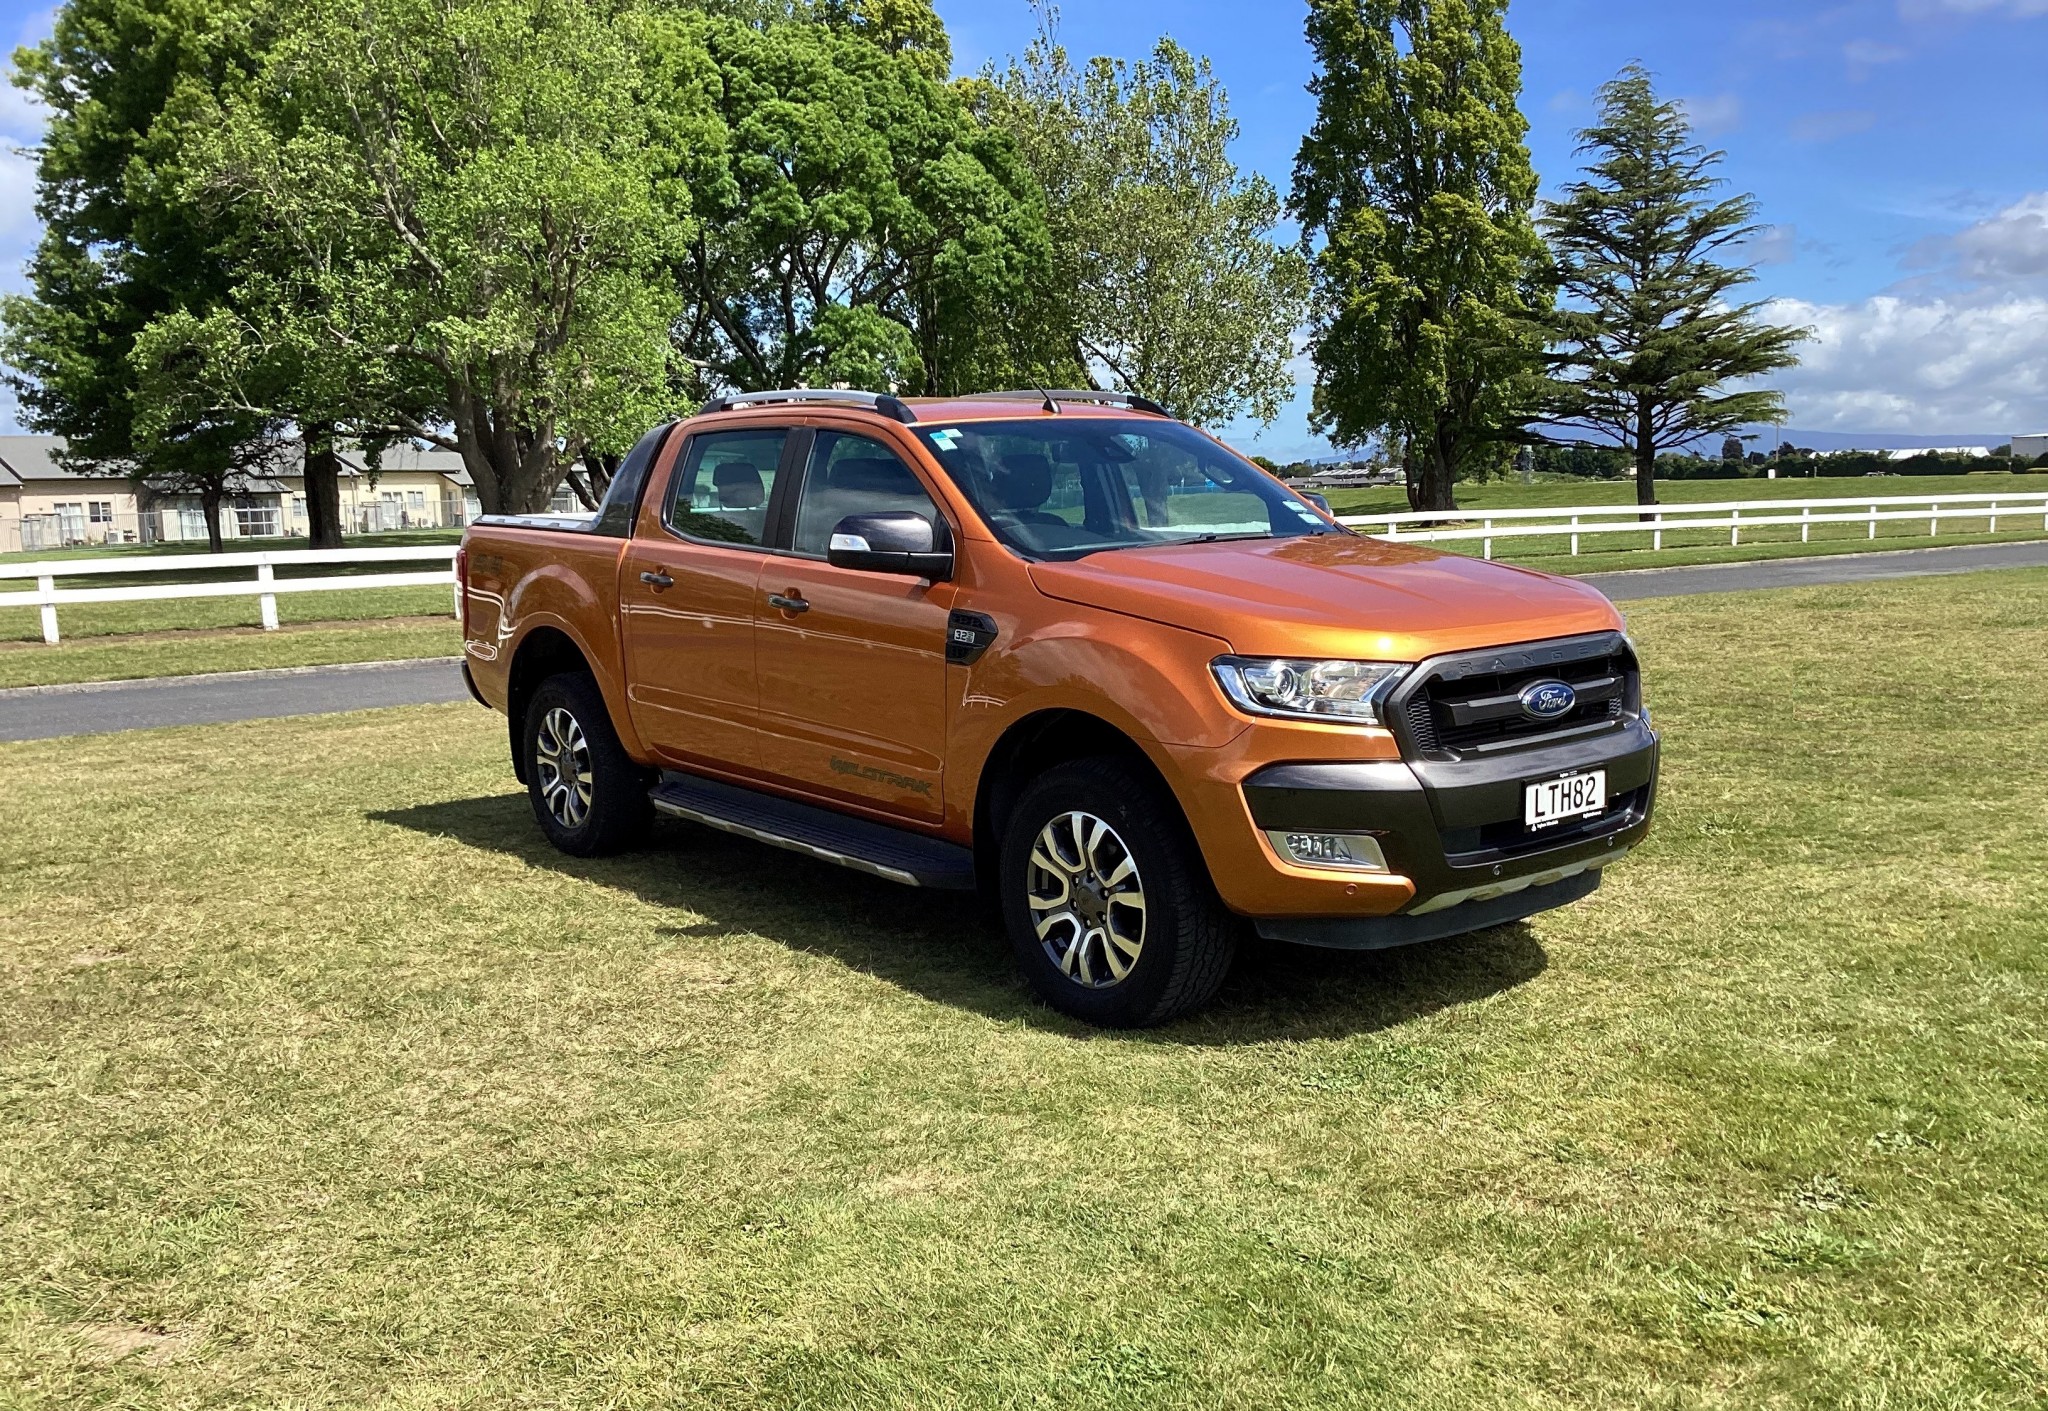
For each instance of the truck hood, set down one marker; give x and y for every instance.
(1331, 595)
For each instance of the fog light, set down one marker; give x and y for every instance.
(1354, 852)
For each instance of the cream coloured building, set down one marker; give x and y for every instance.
(45, 506)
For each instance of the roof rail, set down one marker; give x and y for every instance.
(878, 401)
(1070, 394)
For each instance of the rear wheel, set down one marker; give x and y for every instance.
(1108, 905)
(587, 794)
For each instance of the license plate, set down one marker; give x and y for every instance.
(1574, 796)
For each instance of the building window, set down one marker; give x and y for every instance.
(256, 521)
(102, 511)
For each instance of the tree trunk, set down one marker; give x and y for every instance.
(323, 489)
(209, 505)
(1432, 474)
(1646, 457)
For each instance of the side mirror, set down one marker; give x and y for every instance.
(896, 542)
(1318, 501)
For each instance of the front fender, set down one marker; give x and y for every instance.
(1149, 681)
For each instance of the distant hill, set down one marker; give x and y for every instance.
(1768, 438)
(1319, 452)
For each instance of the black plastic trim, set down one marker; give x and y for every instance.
(1417, 809)
(1384, 932)
(865, 846)
(968, 635)
(1518, 657)
(621, 507)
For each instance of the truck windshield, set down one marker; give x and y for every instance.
(1055, 488)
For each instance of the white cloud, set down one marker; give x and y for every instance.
(2010, 245)
(18, 224)
(1926, 366)
(1772, 245)
(1936, 9)
(1828, 125)
(21, 115)
(1711, 113)
(1866, 54)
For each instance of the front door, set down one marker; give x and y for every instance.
(687, 592)
(853, 664)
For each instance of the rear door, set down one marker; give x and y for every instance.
(853, 664)
(687, 595)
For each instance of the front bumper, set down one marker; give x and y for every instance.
(1454, 832)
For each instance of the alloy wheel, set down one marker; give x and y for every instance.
(562, 755)
(1087, 900)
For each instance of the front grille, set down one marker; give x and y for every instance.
(1470, 705)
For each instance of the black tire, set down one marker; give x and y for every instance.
(1188, 937)
(598, 805)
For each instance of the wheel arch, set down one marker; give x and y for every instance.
(1032, 745)
(542, 652)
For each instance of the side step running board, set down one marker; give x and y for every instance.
(876, 848)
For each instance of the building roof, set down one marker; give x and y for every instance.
(32, 458)
(26, 459)
(404, 456)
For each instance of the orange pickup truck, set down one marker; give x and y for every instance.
(1066, 650)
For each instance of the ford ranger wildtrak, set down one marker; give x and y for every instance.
(1064, 649)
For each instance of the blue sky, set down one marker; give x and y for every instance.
(1899, 149)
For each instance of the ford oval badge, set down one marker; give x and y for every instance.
(1547, 700)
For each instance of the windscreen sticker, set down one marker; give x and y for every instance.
(947, 440)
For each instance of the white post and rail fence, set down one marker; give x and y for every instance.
(264, 584)
(1962, 514)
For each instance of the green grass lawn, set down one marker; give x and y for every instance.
(78, 621)
(323, 1083)
(108, 658)
(179, 636)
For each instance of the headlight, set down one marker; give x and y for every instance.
(1341, 692)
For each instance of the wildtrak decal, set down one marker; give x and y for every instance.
(882, 776)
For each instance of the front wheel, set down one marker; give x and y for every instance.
(587, 794)
(1108, 905)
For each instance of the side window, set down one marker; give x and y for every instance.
(721, 492)
(853, 475)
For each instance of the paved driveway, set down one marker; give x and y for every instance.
(37, 713)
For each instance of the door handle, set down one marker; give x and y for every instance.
(658, 580)
(789, 604)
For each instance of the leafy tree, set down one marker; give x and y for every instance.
(1416, 181)
(1649, 340)
(855, 225)
(1731, 448)
(910, 28)
(1166, 278)
(463, 223)
(127, 84)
